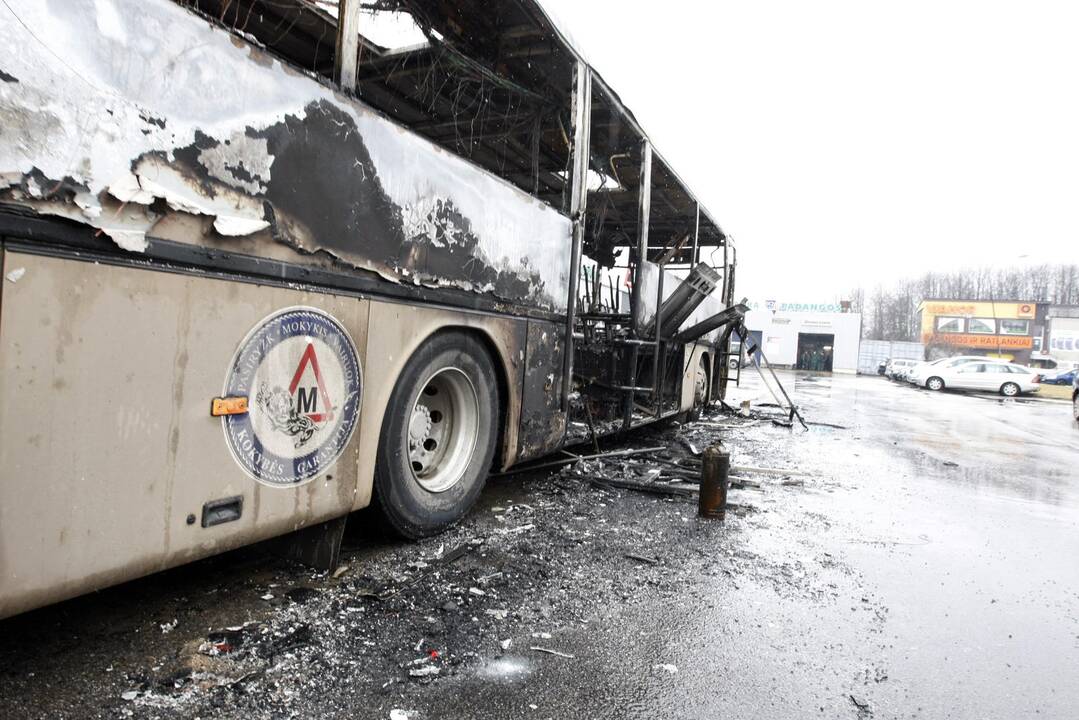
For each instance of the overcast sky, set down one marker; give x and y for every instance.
(853, 142)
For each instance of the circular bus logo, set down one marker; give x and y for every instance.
(301, 374)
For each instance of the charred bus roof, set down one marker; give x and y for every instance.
(492, 82)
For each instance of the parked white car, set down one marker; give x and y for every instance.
(897, 369)
(1005, 378)
(921, 372)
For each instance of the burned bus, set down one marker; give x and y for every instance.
(264, 267)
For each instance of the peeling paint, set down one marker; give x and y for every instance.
(201, 123)
(238, 227)
(128, 189)
(241, 161)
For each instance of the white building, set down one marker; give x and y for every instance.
(1063, 343)
(806, 336)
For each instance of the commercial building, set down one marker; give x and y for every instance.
(1001, 329)
(1060, 342)
(806, 336)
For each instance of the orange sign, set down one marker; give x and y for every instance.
(962, 309)
(979, 308)
(1010, 342)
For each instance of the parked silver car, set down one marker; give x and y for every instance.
(922, 371)
(1007, 379)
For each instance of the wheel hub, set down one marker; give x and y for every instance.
(419, 427)
(700, 385)
(442, 430)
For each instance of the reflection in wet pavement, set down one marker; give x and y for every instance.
(508, 668)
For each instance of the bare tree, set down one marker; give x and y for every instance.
(891, 313)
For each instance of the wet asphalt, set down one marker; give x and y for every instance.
(929, 569)
(920, 561)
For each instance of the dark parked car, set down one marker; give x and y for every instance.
(1064, 378)
(1075, 397)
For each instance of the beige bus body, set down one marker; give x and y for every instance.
(106, 440)
(168, 186)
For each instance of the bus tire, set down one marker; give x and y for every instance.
(438, 436)
(700, 384)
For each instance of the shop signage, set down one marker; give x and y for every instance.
(980, 308)
(775, 306)
(1011, 342)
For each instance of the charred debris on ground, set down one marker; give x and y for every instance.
(510, 581)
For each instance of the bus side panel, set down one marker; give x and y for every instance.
(543, 424)
(396, 330)
(265, 150)
(107, 445)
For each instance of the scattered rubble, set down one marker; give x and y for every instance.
(864, 711)
(495, 582)
(549, 651)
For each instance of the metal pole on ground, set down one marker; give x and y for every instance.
(756, 363)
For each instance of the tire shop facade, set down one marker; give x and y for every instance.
(1000, 329)
(806, 336)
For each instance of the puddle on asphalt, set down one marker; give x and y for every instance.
(508, 668)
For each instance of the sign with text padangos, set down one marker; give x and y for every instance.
(776, 306)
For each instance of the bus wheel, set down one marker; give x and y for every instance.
(700, 385)
(438, 436)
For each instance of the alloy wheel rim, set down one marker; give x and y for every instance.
(700, 386)
(442, 430)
